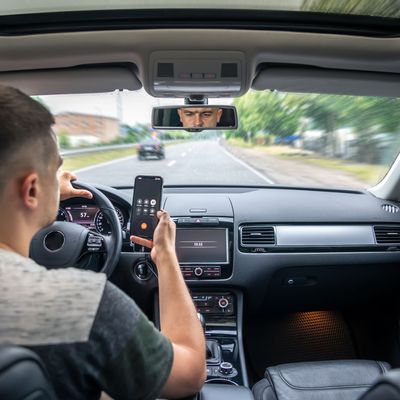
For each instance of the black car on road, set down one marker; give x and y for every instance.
(150, 148)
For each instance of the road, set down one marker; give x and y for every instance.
(196, 162)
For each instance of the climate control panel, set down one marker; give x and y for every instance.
(217, 304)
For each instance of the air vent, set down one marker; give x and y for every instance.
(387, 234)
(257, 236)
(390, 208)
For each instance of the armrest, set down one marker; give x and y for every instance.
(216, 391)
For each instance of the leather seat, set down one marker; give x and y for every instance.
(327, 380)
(23, 376)
(386, 388)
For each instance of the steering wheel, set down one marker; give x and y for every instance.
(64, 244)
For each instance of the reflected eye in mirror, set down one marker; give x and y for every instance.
(194, 118)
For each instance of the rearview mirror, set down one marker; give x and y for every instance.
(194, 118)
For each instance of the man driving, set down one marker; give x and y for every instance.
(91, 336)
(200, 117)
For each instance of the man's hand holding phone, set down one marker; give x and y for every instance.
(163, 244)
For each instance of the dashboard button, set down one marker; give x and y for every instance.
(198, 271)
(223, 303)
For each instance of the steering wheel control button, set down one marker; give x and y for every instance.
(94, 243)
(54, 241)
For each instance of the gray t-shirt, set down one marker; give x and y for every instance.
(89, 334)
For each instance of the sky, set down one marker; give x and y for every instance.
(136, 106)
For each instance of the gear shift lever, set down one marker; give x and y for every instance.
(202, 321)
(213, 350)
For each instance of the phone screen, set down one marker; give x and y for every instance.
(146, 203)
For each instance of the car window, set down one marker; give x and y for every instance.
(311, 140)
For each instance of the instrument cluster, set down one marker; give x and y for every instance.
(90, 216)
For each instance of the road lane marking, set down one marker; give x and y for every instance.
(254, 171)
(171, 163)
(103, 164)
(183, 154)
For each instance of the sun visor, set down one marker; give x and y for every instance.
(303, 79)
(81, 79)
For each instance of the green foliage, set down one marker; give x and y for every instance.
(64, 141)
(382, 8)
(134, 133)
(268, 112)
(266, 115)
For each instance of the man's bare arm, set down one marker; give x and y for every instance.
(178, 315)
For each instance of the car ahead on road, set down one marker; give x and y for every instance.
(291, 251)
(150, 148)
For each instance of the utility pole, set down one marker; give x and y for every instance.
(120, 112)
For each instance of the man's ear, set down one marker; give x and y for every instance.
(29, 190)
(180, 114)
(219, 114)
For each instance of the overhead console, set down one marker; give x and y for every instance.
(209, 73)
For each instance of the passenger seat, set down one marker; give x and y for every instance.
(323, 380)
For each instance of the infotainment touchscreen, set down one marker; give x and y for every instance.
(202, 246)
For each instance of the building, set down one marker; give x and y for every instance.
(86, 128)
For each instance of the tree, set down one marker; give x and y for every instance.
(382, 8)
(272, 112)
(64, 141)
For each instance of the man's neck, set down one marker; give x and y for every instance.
(15, 234)
(21, 250)
(4, 246)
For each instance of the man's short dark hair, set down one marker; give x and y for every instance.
(25, 133)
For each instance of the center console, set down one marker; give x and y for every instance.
(222, 314)
(205, 247)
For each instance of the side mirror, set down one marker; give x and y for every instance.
(195, 118)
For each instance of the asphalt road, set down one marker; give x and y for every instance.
(197, 162)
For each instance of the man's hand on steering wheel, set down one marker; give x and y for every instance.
(67, 191)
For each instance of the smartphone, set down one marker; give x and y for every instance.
(146, 203)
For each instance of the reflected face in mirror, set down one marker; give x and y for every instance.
(200, 117)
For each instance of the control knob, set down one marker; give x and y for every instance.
(226, 368)
(223, 302)
(142, 270)
(198, 271)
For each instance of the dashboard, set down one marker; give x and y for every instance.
(280, 246)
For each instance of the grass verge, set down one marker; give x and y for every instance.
(72, 163)
(368, 173)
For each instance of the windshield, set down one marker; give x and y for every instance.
(308, 140)
(383, 8)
